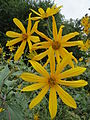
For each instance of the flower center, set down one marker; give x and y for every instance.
(24, 36)
(56, 45)
(51, 81)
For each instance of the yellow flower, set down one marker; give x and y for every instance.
(49, 12)
(86, 23)
(32, 54)
(11, 48)
(85, 46)
(0, 50)
(84, 20)
(58, 44)
(1, 109)
(22, 37)
(86, 30)
(81, 59)
(52, 82)
(36, 117)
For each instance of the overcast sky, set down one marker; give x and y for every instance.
(74, 8)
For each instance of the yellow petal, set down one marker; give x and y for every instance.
(57, 9)
(34, 38)
(41, 11)
(13, 34)
(39, 68)
(66, 98)
(52, 102)
(69, 36)
(78, 83)
(48, 10)
(60, 33)
(20, 51)
(63, 52)
(39, 97)
(35, 12)
(41, 45)
(52, 60)
(71, 72)
(54, 29)
(13, 42)
(19, 25)
(34, 27)
(29, 24)
(72, 57)
(40, 56)
(29, 77)
(29, 44)
(43, 36)
(33, 87)
(62, 64)
(35, 18)
(57, 56)
(54, 6)
(74, 43)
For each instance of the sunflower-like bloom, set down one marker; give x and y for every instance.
(52, 82)
(22, 37)
(49, 12)
(58, 44)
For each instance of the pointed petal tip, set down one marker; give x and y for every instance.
(85, 83)
(14, 19)
(7, 33)
(22, 90)
(30, 107)
(75, 106)
(6, 44)
(84, 69)
(15, 58)
(52, 117)
(30, 61)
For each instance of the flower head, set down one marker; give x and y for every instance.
(58, 44)
(49, 12)
(85, 22)
(22, 37)
(52, 82)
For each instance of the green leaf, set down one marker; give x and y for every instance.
(3, 74)
(15, 113)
